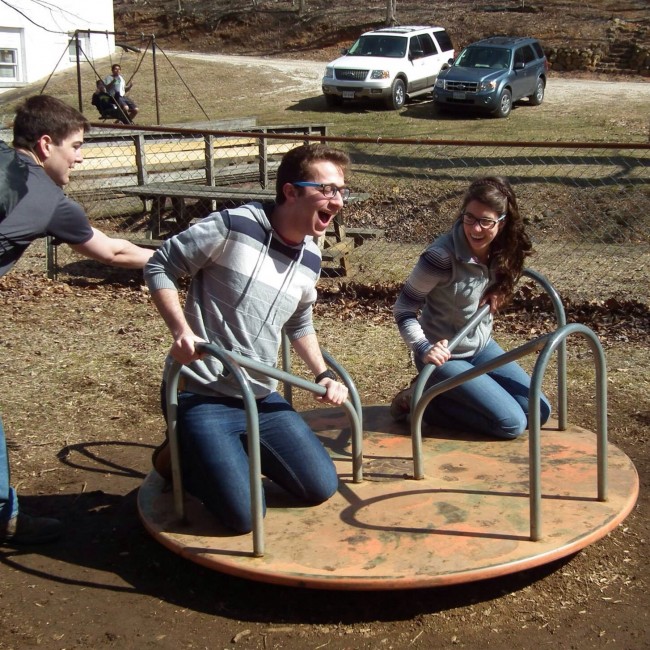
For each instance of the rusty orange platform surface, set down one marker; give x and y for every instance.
(467, 520)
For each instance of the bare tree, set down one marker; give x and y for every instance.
(391, 12)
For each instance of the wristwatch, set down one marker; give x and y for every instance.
(329, 374)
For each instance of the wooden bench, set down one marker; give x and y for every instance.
(179, 193)
(342, 241)
(336, 245)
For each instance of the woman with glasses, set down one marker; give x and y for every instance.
(478, 261)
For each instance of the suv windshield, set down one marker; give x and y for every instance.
(387, 46)
(484, 57)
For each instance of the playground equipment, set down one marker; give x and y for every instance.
(82, 56)
(476, 514)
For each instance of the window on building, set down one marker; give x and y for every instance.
(8, 64)
(84, 44)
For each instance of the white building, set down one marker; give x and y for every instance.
(37, 38)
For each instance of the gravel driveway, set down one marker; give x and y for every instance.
(307, 75)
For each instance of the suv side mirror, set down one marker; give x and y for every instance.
(519, 65)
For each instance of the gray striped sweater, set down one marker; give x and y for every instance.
(441, 294)
(246, 285)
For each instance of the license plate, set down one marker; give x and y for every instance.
(458, 95)
(348, 94)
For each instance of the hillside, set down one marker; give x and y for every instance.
(274, 27)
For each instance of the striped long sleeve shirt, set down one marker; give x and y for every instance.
(246, 285)
(441, 294)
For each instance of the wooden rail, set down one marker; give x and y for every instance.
(117, 158)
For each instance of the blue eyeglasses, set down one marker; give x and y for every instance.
(328, 190)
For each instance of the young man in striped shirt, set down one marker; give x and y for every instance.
(253, 272)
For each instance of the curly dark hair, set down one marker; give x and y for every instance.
(512, 245)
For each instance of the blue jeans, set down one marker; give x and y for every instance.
(214, 461)
(8, 498)
(495, 404)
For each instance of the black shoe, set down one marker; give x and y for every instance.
(25, 529)
(161, 460)
(400, 407)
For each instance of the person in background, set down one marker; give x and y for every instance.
(47, 139)
(253, 272)
(479, 261)
(106, 105)
(117, 87)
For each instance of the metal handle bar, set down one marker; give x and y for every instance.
(234, 362)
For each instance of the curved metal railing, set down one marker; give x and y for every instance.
(331, 363)
(234, 363)
(546, 345)
(425, 373)
(560, 317)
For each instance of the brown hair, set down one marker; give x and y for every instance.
(512, 245)
(296, 165)
(45, 115)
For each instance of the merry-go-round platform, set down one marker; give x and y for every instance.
(468, 519)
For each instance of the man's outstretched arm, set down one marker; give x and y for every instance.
(114, 252)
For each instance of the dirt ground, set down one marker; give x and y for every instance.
(80, 363)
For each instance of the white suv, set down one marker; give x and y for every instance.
(390, 64)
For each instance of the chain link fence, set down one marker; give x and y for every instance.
(586, 205)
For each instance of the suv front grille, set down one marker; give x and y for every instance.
(464, 86)
(350, 75)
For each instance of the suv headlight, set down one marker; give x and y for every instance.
(487, 85)
(440, 83)
(329, 73)
(380, 74)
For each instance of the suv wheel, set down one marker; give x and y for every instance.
(505, 104)
(332, 101)
(538, 96)
(397, 95)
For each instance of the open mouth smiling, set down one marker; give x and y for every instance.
(325, 217)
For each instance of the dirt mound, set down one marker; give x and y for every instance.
(277, 27)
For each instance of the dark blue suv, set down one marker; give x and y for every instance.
(492, 74)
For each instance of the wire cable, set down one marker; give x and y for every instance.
(183, 81)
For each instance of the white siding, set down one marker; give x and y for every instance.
(41, 33)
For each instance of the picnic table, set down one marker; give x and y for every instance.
(179, 193)
(335, 246)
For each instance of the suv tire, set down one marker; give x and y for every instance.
(505, 104)
(538, 96)
(397, 95)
